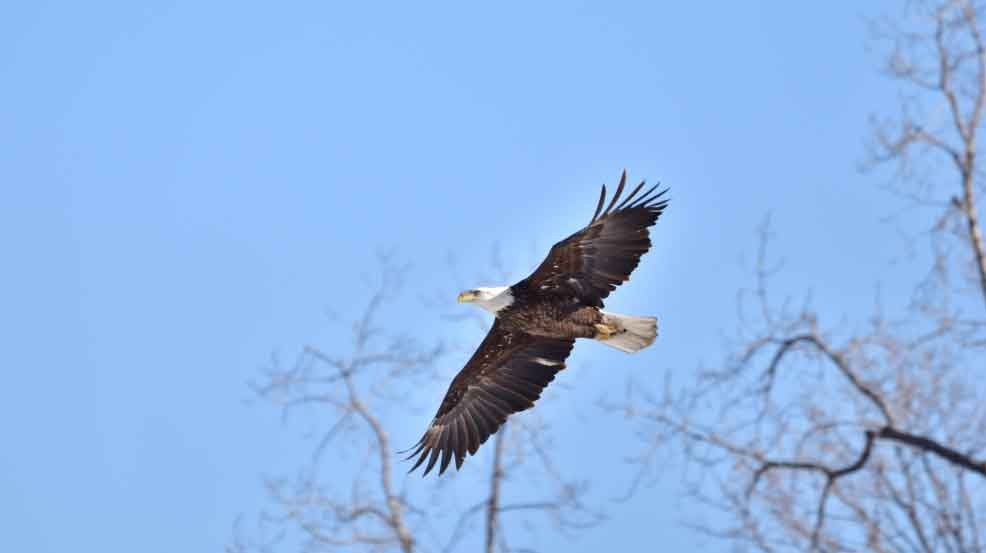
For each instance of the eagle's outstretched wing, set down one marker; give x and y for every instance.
(595, 260)
(504, 376)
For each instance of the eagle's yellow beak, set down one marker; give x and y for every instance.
(467, 296)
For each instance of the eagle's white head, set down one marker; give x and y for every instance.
(491, 299)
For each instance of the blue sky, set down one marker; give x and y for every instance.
(187, 187)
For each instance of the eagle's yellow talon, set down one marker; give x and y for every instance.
(604, 331)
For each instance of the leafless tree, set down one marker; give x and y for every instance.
(352, 492)
(868, 433)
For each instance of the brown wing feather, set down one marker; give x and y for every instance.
(505, 375)
(595, 260)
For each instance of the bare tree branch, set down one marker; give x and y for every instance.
(493, 507)
(782, 437)
(353, 393)
(927, 444)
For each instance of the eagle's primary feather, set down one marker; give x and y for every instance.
(595, 260)
(505, 375)
(537, 322)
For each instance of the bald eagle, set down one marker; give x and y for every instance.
(537, 322)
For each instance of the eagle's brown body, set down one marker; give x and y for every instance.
(551, 319)
(537, 322)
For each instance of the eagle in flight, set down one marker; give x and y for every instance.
(537, 322)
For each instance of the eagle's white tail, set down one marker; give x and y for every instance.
(627, 332)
